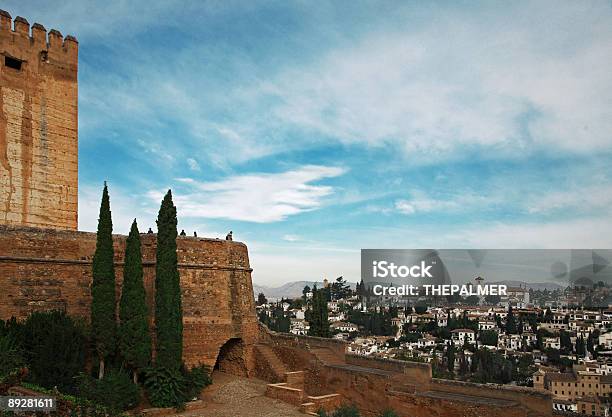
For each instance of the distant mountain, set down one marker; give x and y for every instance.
(551, 286)
(294, 289)
(289, 290)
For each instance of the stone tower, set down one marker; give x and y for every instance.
(38, 126)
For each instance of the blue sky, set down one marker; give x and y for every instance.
(314, 129)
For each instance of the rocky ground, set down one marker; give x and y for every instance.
(232, 396)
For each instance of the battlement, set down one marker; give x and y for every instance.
(33, 44)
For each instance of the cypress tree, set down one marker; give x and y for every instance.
(134, 337)
(511, 327)
(168, 309)
(450, 357)
(320, 313)
(314, 319)
(103, 303)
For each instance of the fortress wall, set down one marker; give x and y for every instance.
(418, 373)
(537, 401)
(301, 342)
(44, 269)
(374, 391)
(375, 384)
(38, 126)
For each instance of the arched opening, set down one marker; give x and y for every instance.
(232, 358)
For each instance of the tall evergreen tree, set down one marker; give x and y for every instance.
(134, 337)
(168, 308)
(450, 357)
(580, 346)
(323, 312)
(314, 319)
(318, 317)
(565, 341)
(103, 303)
(590, 346)
(305, 291)
(340, 289)
(511, 327)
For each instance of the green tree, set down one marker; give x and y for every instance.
(592, 342)
(493, 299)
(450, 357)
(340, 289)
(464, 366)
(472, 300)
(318, 315)
(168, 308)
(511, 327)
(420, 309)
(580, 346)
(323, 297)
(283, 324)
(134, 337)
(360, 289)
(261, 299)
(548, 315)
(488, 337)
(55, 346)
(490, 366)
(103, 303)
(565, 341)
(305, 291)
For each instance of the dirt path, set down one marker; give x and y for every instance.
(232, 396)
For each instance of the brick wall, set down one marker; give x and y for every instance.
(43, 269)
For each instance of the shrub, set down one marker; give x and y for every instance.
(11, 356)
(54, 349)
(71, 406)
(165, 387)
(196, 379)
(115, 391)
(388, 413)
(169, 388)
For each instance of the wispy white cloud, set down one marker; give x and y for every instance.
(465, 81)
(580, 200)
(466, 199)
(492, 78)
(260, 198)
(94, 19)
(193, 164)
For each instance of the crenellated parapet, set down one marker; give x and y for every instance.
(34, 47)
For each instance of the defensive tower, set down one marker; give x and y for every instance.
(38, 126)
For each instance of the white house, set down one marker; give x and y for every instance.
(605, 340)
(427, 341)
(552, 342)
(344, 327)
(510, 341)
(487, 325)
(299, 327)
(460, 336)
